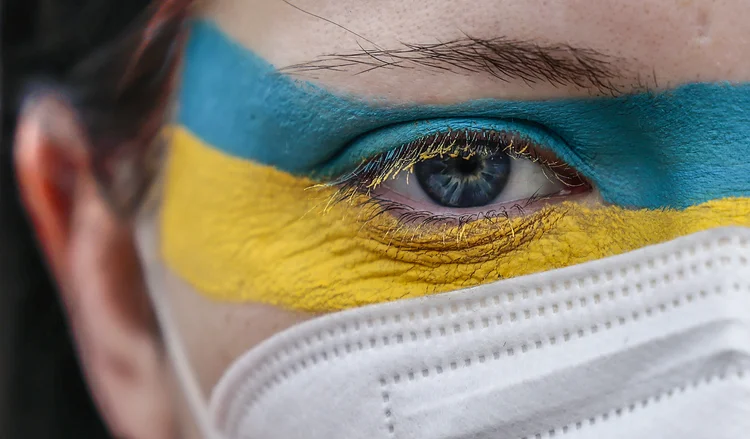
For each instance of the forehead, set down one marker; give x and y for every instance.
(660, 43)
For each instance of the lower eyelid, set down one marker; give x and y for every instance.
(421, 213)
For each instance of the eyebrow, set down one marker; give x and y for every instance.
(502, 58)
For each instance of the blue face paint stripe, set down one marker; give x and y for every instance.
(674, 149)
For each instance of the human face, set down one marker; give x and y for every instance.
(616, 99)
(335, 154)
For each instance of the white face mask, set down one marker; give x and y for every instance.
(653, 343)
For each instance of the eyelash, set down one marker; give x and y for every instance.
(373, 172)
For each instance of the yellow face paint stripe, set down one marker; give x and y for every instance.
(240, 231)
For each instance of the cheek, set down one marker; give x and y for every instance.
(240, 232)
(215, 333)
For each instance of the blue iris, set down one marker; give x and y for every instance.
(466, 180)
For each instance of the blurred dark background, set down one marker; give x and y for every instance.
(42, 393)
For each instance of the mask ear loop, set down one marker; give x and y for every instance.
(147, 237)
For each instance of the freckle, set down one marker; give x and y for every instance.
(703, 26)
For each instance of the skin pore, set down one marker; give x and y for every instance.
(643, 45)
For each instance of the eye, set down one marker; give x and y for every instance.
(500, 170)
(478, 176)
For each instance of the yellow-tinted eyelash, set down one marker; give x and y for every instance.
(356, 187)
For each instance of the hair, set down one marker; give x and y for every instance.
(113, 62)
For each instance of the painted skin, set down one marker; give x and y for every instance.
(240, 222)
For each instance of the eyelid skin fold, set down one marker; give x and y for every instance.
(263, 235)
(669, 149)
(380, 141)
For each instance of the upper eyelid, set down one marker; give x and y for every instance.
(389, 138)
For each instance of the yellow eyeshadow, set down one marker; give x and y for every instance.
(239, 231)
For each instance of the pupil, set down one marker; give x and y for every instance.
(467, 166)
(464, 181)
